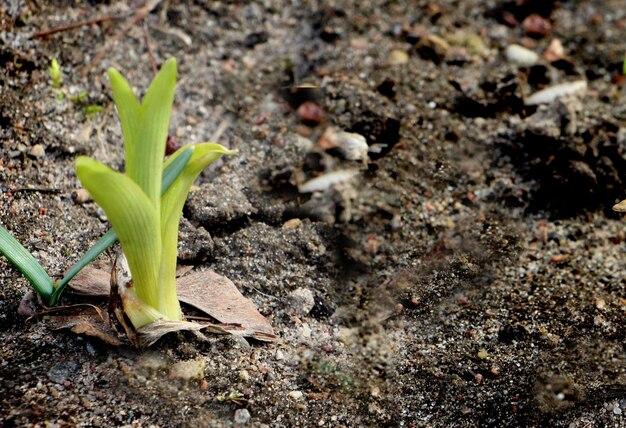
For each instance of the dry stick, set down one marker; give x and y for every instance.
(67, 27)
(146, 39)
(140, 14)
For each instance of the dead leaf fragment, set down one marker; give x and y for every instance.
(219, 298)
(206, 291)
(87, 324)
(92, 282)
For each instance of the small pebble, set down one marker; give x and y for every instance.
(536, 26)
(81, 196)
(482, 354)
(326, 181)
(546, 96)
(37, 151)
(301, 300)
(555, 51)
(520, 55)
(296, 395)
(397, 57)
(244, 375)
(311, 113)
(291, 224)
(242, 416)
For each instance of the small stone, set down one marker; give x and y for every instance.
(310, 113)
(555, 51)
(296, 395)
(280, 356)
(188, 370)
(301, 300)
(352, 146)
(520, 55)
(244, 375)
(81, 196)
(482, 354)
(397, 57)
(551, 93)
(242, 416)
(374, 391)
(536, 26)
(600, 304)
(37, 151)
(292, 224)
(617, 410)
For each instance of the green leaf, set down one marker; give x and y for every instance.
(170, 172)
(102, 244)
(172, 203)
(146, 164)
(128, 109)
(26, 263)
(134, 219)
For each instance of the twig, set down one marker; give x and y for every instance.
(146, 39)
(36, 190)
(67, 27)
(221, 128)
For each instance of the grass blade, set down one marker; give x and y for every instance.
(26, 263)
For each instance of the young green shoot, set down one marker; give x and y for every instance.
(33, 271)
(56, 75)
(146, 222)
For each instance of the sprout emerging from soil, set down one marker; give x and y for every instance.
(55, 73)
(146, 222)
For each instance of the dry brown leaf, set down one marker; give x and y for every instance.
(182, 270)
(92, 282)
(218, 297)
(87, 324)
(149, 334)
(28, 305)
(206, 291)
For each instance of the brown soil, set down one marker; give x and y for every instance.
(470, 274)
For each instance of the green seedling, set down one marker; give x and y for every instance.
(92, 109)
(56, 75)
(33, 271)
(146, 222)
(79, 97)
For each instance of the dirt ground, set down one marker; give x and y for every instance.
(469, 273)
